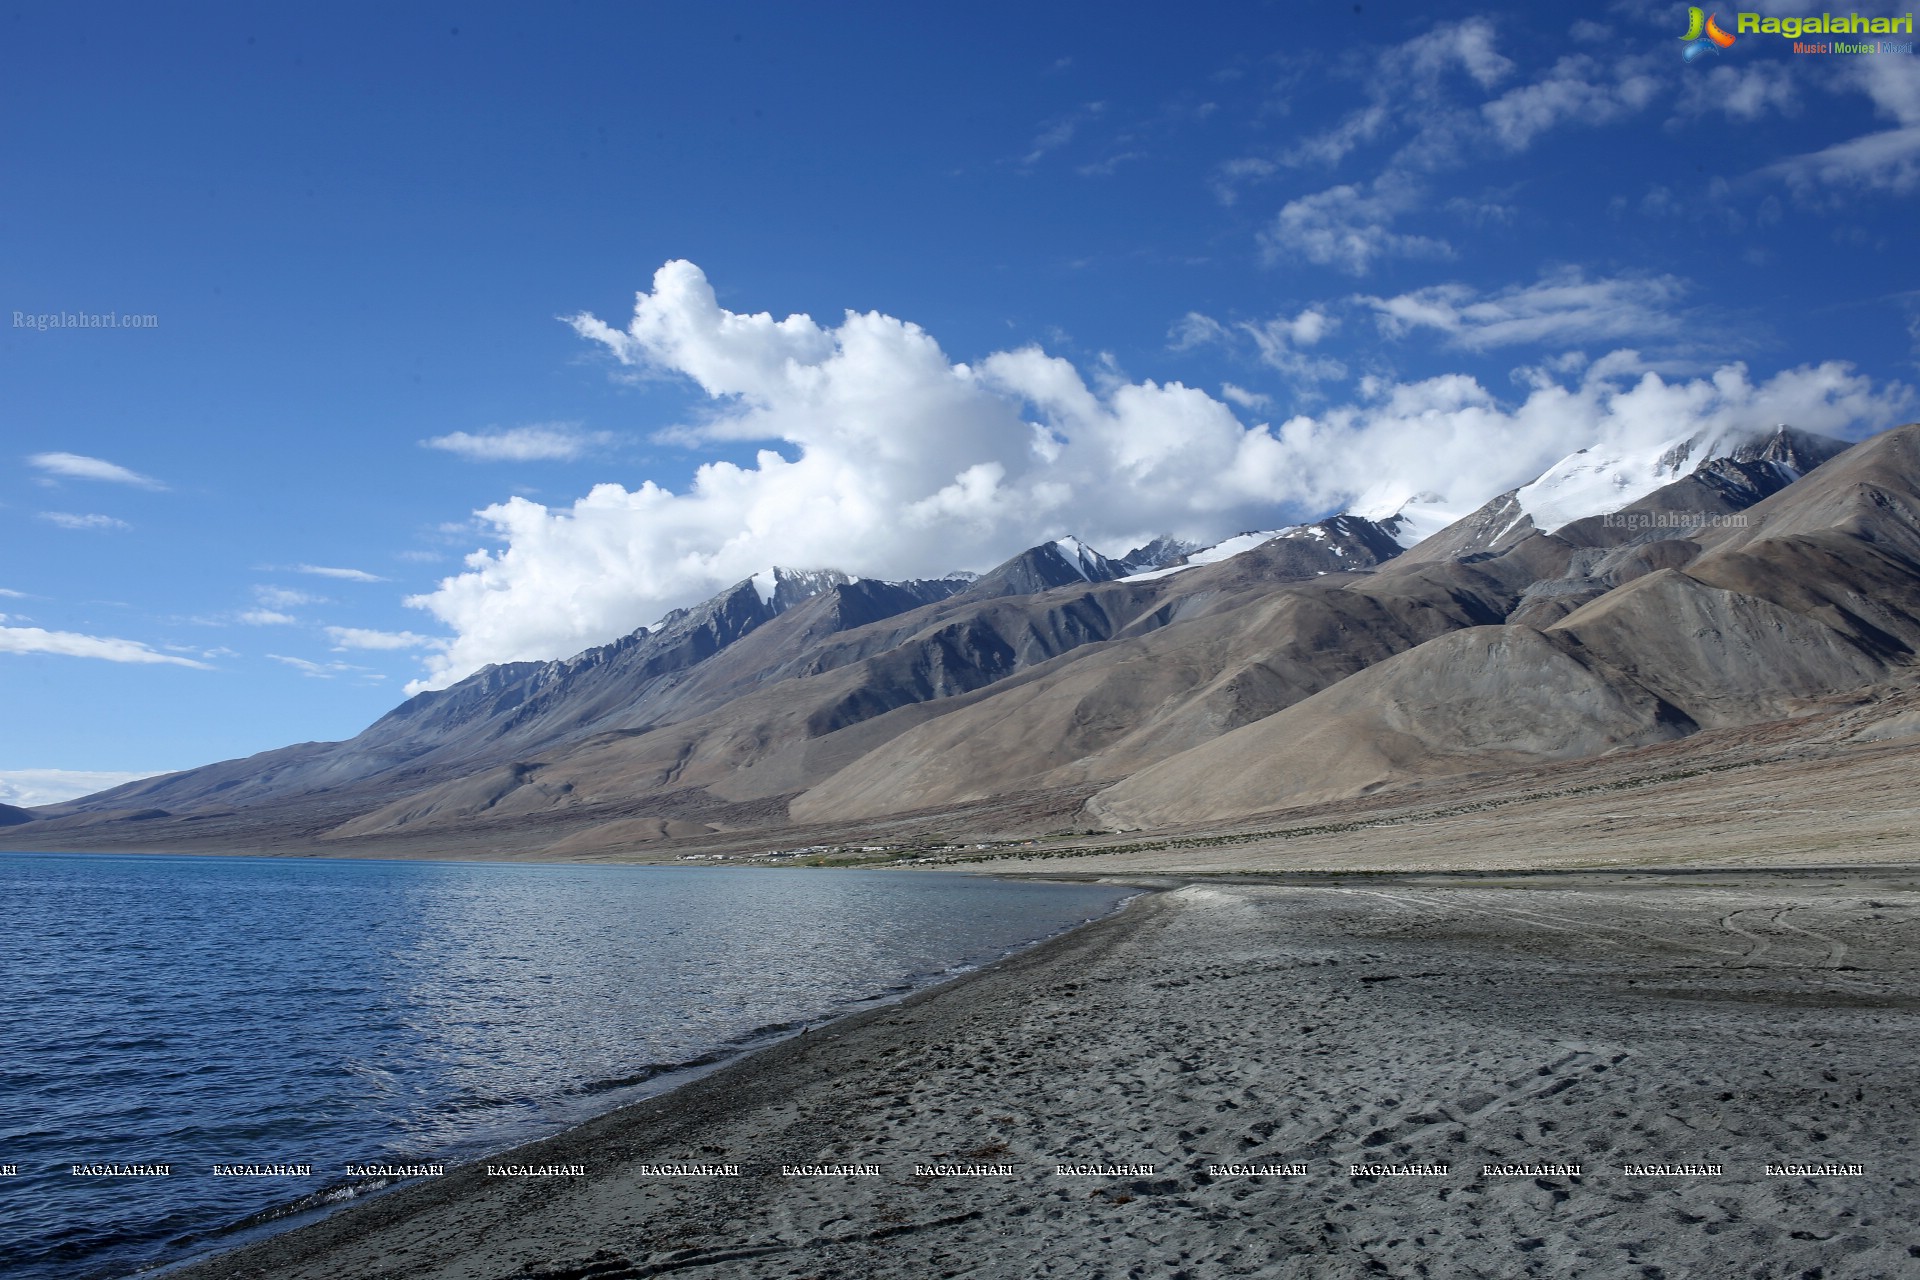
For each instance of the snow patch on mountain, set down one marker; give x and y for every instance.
(1597, 481)
(1163, 552)
(1226, 550)
(1081, 558)
(1408, 518)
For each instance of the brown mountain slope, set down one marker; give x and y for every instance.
(794, 702)
(847, 701)
(1211, 670)
(1833, 564)
(1110, 711)
(1473, 699)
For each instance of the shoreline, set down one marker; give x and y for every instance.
(461, 1181)
(277, 1221)
(1015, 1069)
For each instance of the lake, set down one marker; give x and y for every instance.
(258, 1016)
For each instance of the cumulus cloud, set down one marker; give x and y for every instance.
(1563, 306)
(93, 521)
(1348, 227)
(1619, 401)
(896, 461)
(345, 638)
(73, 644)
(74, 466)
(29, 788)
(266, 618)
(543, 442)
(345, 575)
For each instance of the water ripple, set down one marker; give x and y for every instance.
(196, 1011)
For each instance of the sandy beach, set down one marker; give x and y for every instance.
(1598, 1074)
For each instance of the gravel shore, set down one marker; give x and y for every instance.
(1600, 1074)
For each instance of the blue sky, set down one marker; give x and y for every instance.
(1103, 269)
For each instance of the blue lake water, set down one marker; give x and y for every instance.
(261, 1011)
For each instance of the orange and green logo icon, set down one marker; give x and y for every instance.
(1704, 34)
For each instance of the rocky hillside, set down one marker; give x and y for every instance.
(1615, 602)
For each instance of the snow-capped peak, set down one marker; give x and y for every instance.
(1215, 554)
(1599, 480)
(1083, 559)
(1408, 518)
(1419, 518)
(766, 583)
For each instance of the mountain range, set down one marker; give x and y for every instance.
(1619, 601)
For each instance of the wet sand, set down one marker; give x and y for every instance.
(1602, 1020)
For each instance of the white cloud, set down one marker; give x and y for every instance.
(1892, 83)
(1253, 401)
(1463, 46)
(1888, 160)
(1578, 89)
(1059, 132)
(543, 442)
(1311, 325)
(12, 595)
(1106, 168)
(1483, 211)
(1195, 330)
(345, 638)
(1563, 306)
(1276, 341)
(30, 788)
(1280, 341)
(323, 670)
(1743, 93)
(266, 618)
(73, 644)
(74, 466)
(1331, 146)
(345, 575)
(898, 462)
(1437, 94)
(1620, 402)
(1348, 228)
(1413, 85)
(1228, 177)
(285, 597)
(71, 520)
(1443, 97)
